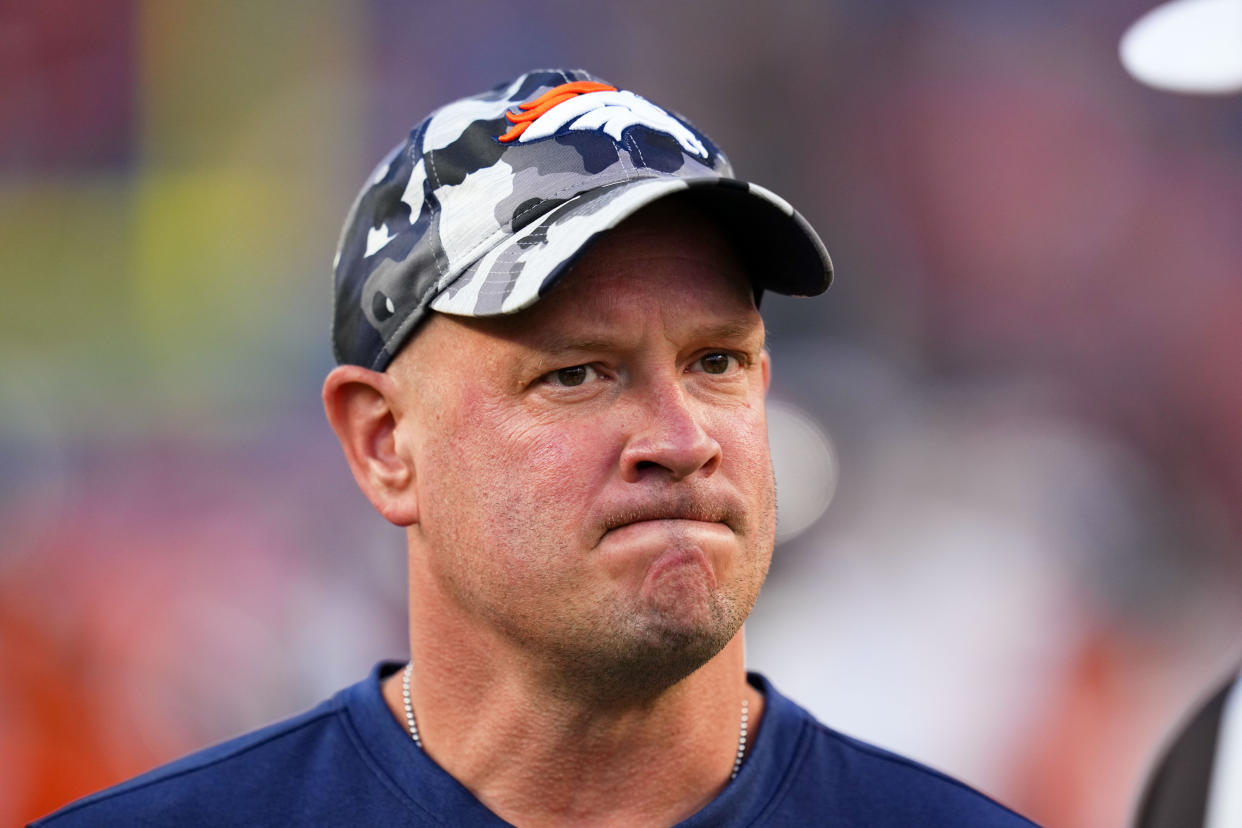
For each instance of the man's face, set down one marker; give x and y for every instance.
(593, 478)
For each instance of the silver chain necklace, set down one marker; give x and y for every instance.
(742, 730)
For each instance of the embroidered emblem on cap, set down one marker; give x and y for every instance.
(588, 105)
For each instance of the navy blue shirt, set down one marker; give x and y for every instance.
(349, 762)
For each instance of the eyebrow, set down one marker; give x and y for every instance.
(728, 331)
(557, 343)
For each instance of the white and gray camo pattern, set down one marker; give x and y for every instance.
(460, 221)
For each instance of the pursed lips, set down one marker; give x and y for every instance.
(695, 511)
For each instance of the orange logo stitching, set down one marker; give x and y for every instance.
(532, 110)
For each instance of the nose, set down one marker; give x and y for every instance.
(669, 439)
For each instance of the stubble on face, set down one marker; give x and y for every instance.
(516, 495)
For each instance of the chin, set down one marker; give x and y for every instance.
(653, 650)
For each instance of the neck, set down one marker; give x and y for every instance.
(536, 755)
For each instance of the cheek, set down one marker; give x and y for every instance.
(560, 471)
(549, 457)
(490, 464)
(744, 443)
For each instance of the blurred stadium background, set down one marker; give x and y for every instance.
(1021, 403)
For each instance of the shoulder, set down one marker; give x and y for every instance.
(907, 791)
(309, 764)
(843, 780)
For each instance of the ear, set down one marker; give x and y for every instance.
(765, 365)
(360, 407)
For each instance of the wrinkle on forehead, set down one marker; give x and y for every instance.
(565, 341)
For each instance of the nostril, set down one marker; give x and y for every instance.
(643, 465)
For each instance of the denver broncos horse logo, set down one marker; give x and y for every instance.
(588, 105)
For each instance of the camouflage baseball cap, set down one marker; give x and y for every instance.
(492, 197)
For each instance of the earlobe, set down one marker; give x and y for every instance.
(359, 405)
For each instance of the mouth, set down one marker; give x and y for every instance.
(687, 511)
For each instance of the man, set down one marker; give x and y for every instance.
(553, 375)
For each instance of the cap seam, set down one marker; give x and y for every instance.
(629, 139)
(429, 159)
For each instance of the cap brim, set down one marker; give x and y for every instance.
(779, 248)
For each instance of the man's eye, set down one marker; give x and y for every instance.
(571, 377)
(717, 363)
